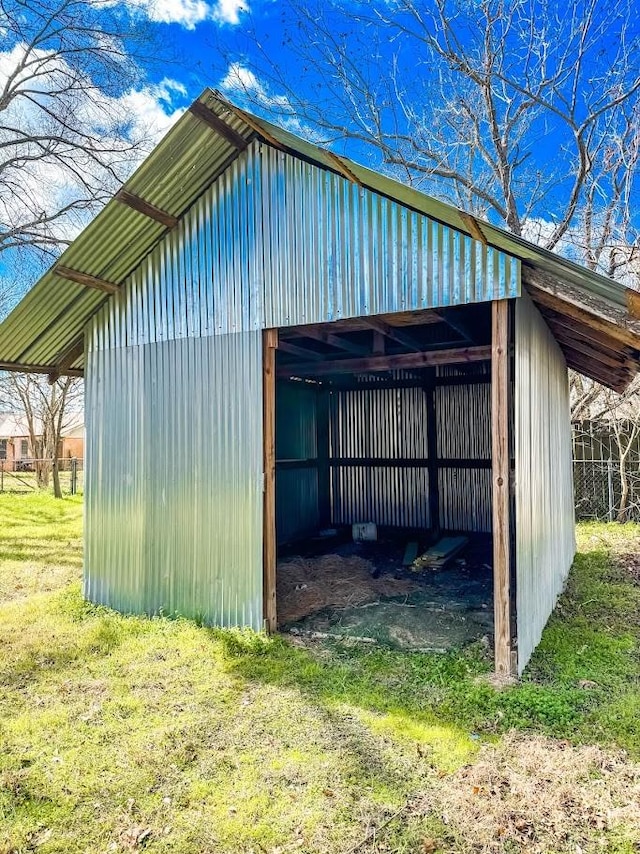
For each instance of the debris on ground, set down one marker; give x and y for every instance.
(308, 585)
(439, 555)
(536, 794)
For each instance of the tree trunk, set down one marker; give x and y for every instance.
(57, 491)
(624, 481)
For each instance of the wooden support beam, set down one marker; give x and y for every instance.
(378, 343)
(85, 279)
(587, 333)
(605, 374)
(146, 208)
(428, 359)
(594, 355)
(394, 333)
(432, 453)
(341, 167)
(269, 346)
(500, 475)
(617, 382)
(453, 320)
(567, 334)
(248, 119)
(295, 350)
(66, 358)
(633, 303)
(323, 415)
(473, 226)
(28, 368)
(332, 340)
(562, 305)
(202, 112)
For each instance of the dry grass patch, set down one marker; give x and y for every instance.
(308, 585)
(539, 795)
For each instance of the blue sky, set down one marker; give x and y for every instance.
(253, 49)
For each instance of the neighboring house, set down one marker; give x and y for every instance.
(325, 346)
(15, 445)
(17, 451)
(72, 444)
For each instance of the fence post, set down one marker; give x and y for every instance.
(612, 499)
(74, 475)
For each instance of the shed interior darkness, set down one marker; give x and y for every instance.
(385, 420)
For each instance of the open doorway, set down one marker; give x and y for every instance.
(382, 484)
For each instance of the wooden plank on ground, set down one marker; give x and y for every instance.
(441, 553)
(410, 553)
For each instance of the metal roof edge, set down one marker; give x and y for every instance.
(182, 166)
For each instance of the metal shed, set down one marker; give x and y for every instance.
(421, 355)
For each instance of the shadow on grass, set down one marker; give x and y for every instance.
(582, 684)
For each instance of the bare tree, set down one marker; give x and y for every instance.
(523, 111)
(618, 415)
(48, 409)
(67, 137)
(70, 134)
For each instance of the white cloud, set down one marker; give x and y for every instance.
(241, 84)
(37, 182)
(189, 13)
(228, 11)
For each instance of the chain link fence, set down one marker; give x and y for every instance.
(29, 475)
(598, 490)
(603, 486)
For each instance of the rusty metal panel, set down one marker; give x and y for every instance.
(545, 532)
(174, 479)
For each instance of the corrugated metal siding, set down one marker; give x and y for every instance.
(297, 511)
(276, 241)
(465, 499)
(380, 423)
(386, 422)
(174, 478)
(463, 415)
(387, 496)
(545, 534)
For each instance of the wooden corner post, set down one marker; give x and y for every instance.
(500, 485)
(269, 346)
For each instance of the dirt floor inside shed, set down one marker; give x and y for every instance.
(362, 590)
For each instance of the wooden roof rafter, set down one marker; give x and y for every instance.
(29, 368)
(85, 279)
(399, 361)
(147, 209)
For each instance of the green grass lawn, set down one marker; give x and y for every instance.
(123, 733)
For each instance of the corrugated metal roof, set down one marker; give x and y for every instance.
(50, 320)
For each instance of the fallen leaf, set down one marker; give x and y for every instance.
(133, 838)
(429, 846)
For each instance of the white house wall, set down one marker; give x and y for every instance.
(545, 530)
